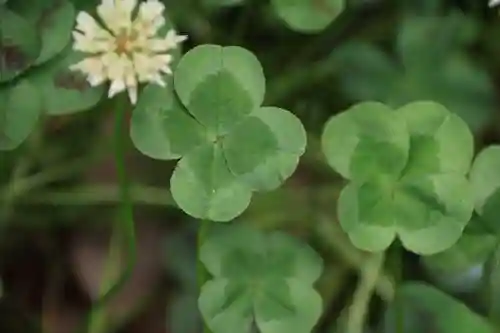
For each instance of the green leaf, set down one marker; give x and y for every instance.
(54, 20)
(366, 141)
(65, 91)
(440, 140)
(366, 72)
(308, 16)
(470, 250)
(407, 169)
(490, 214)
(259, 280)
(272, 166)
(431, 310)
(245, 148)
(433, 69)
(20, 107)
(160, 126)
(491, 284)
(219, 85)
(485, 176)
(204, 187)
(428, 213)
(19, 45)
(418, 51)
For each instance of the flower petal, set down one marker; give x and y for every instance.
(87, 25)
(150, 18)
(172, 39)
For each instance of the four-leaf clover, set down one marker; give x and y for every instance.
(407, 170)
(261, 280)
(229, 145)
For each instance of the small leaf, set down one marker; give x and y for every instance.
(219, 85)
(431, 310)
(366, 141)
(65, 91)
(54, 20)
(20, 107)
(19, 45)
(261, 280)
(440, 140)
(428, 213)
(485, 176)
(203, 186)
(308, 16)
(289, 140)
(470, 250)
(161, 128)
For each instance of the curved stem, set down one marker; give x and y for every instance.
(124, 228)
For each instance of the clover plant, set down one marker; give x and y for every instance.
(405, 150)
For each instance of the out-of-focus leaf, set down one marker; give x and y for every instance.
(427, 309)
(432, 66)
(491, 283)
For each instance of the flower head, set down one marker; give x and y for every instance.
(493, 3)
(124, 50)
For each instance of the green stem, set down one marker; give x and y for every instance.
(396, 253)
(202, 273)
(125, 225)
(358, 310)
(334, 238)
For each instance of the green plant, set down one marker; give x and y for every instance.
(405, 150)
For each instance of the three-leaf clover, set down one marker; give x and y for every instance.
(229, 145)
(425, 69)
(261, 280)
(407, 170)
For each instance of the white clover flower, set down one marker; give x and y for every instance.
(124, 51)
(493, 3)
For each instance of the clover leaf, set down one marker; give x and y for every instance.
(470, 250)
(407, 170)
(485, 181)
(54, 20)
(427, 309)
(426, 68)
(308, 16)
(19, 44)
(20, 108)
(64, 91)
(228, 145)
(259, 280)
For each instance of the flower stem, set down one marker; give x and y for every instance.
(124, 228)
(202, 273)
